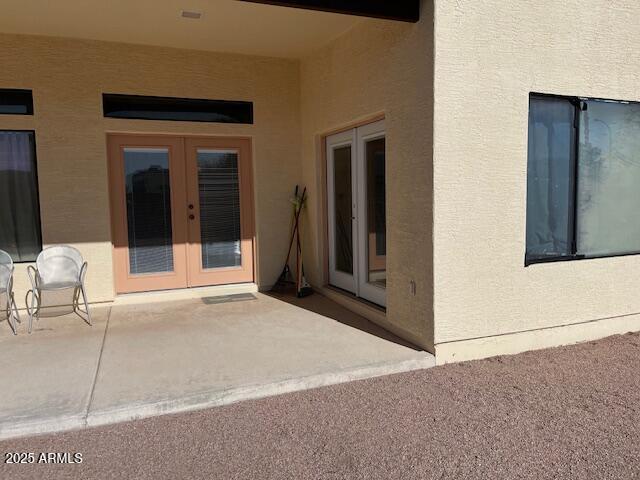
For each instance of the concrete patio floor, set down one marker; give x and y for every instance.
(170, 356)
(564, 413)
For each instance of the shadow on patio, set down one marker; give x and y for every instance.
(167, 356)
(328, 308)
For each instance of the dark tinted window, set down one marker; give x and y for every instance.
(549, 169)
(177, 109)
(19, 209)
(583, 199)
(16, 102)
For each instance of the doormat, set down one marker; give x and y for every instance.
(238, 297)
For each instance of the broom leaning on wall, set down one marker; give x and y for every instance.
(302, 287)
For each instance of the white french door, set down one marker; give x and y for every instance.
(357, 211)
(341, 185)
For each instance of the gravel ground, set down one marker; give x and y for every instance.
(571, 412)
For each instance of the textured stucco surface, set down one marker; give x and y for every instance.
(380, 67)
(489, 55)
(68, 77)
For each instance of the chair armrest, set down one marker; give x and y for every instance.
(83, 272)
(33, 276)
(10, 282)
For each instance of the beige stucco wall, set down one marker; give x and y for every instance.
(380, 67)
(68, 77)
(489, 55)
(377, 67)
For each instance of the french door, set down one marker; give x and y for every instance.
(182, 211)
(357, 211)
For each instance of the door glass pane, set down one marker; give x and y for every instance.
(376, 214)
(549, 169)
(343, 241)
(219, 189)
(148, 194)
(609, 179)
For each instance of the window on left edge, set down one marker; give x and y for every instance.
(20, 233)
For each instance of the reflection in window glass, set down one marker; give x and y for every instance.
(376, 212)
(148, 195)
(343, 241)
(609, 179)
(549, 168)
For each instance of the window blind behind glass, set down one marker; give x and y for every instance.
(219, 193)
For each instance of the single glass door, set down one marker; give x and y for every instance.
(341, 185)
(146, 175)
(372, 223)
(220, 211)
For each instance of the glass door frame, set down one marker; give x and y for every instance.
(125, 281)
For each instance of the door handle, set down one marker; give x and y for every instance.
(192, 217)
(191, 206)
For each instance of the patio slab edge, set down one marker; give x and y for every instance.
(209, 399)
(217, 398)
(41, 427)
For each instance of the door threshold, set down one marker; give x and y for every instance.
(362, 307)
(352, 297)
(184, 293)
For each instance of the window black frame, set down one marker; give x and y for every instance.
(243, 115)
(26, 99)
(35, 173)
(403, 10)
(579, 104)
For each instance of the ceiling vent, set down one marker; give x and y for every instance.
(190, 14)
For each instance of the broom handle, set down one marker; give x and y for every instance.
(295, 225)
(298, 259)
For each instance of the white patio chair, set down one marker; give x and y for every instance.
(58, 268)
(6, 290)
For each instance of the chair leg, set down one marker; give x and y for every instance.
(13, 312)
(15, 309)
(14, 327)
(76, 300)
(86, 303)
(33, 310)
(10, 319)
